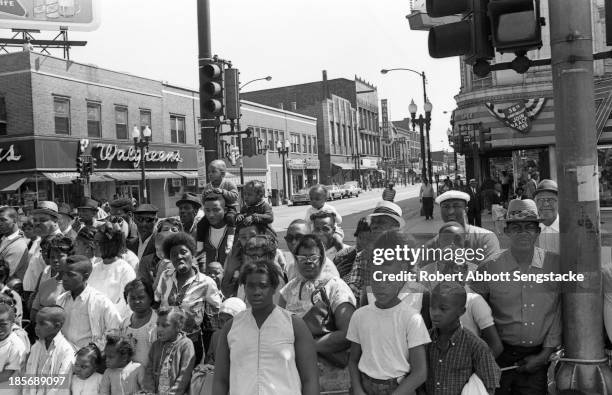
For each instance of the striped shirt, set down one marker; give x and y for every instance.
(388, 194)
(450, 369)
(191, 297)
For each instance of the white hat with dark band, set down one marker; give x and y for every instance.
(389, 209)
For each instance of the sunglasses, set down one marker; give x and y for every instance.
(148, 220)
(309, 259)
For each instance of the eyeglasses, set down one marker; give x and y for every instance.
(308, 259)
(292, 238)
(518, 228)
(546, 200)
(148, 220)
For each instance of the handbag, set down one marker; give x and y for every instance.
(320, 321)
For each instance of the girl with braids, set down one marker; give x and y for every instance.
(86, 379)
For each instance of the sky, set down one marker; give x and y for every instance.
(290, 40)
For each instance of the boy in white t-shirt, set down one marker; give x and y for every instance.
(388, 337)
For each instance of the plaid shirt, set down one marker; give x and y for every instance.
(198, 297)
(359, 276)
(450, 370)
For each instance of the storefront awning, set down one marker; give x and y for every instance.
(345, 166)
(67, 177)
(187, 174)
(14, 185)
(136, 175)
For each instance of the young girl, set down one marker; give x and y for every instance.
(142, 324)
(12, 349)
(122, 376)
(172, 357)
(86, 379)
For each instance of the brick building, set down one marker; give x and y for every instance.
(48, 104)
(347, 124)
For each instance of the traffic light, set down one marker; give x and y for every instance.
(468, 37)
(212, 90)
(232, 94)
(94, 164)
(485, 139)
(249, 146)
(516, 25)
(79, 164)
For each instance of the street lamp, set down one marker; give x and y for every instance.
(283, 151)
(141, 141)
(268, 78)
(451, 138)
(424, 124)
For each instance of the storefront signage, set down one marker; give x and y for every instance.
(519, 115)
(385, 118)
(368, 163)
(312, 164)
(296, 164)
(9, 155)
(110, 152)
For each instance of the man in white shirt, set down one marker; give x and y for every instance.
(548, 208)
(45, 218)
(13, 245)
(145, 217)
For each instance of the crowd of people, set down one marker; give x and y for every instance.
(125, 302)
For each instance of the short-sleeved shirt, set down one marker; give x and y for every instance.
(12, 353)
(297, 293)
(192, 297)
(385, 337)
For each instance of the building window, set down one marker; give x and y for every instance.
(298, 145)
(177, 129)
(145, 120)
(276, 139)
(332, 133)
(271, 143)
(93, 120)
(3, 130)
(281, 136)
(121, 122)
(61, 109)
(339, 133)
(304, 145)
(314, 145)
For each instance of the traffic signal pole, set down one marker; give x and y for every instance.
(207, 128)
(584, 366)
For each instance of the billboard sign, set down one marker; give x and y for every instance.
(385, 118)
(80, 15)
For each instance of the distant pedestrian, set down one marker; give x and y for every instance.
(389, 192)
(426, 197)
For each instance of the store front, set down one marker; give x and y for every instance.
(44, 169)
(517, 164)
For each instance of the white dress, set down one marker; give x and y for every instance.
(110, 279)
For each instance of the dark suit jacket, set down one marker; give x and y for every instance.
(474, 204)
(134, 243)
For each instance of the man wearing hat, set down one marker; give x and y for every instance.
(548, 208)
(453, 206)
(145, 217)
(13, 244)
(66, 219)
(189, 213)
(87, 212)
(45, 218)
(527, 313)
(474, 204)
(385, 217)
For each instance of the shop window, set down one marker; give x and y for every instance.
(94, 128)
(61, 110)
(145, 120)
(121, 122)
(177, 129)
(2, 117)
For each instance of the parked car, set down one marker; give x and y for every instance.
(301, 197)
(351, 189)
(334, 192)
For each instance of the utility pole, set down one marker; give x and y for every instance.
(585, 367)
(207, 127)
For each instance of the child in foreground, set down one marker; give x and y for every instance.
(256, 209)
(122, 376)
(12, 349)
(455, 353)
(388, 338)
(52, 354)
(318, 203)
(172, 356)
(86, 380)
(142, 324)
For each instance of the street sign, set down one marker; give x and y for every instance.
(80, 15)
(201, 168)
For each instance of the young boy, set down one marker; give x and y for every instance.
(52, 354)
(225, 188)
(455, 353)
(318, 198)
(256, 209)
(172, 356)
(388, 337)
(12, 349)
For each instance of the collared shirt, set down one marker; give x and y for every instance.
(142, 246)
(92, 323)
(526, 313)
(549, 237)
(192, 296)
(57, 359)
(450, 369)
(36, 266)
(359, 276)
(475, 238)
(13, 356)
